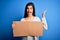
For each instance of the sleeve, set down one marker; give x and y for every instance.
(38, 19)
(22, 19)
(45, 26)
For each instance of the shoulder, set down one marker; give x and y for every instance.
(22, 19)
(37, 18)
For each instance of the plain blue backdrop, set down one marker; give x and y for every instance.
(13, 10)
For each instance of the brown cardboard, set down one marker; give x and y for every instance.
(27, 28)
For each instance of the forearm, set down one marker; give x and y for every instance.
(44, 23)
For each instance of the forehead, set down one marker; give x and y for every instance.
(30, 6)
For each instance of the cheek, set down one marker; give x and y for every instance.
(32, 10)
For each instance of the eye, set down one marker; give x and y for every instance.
(27, 8)
(30, 8)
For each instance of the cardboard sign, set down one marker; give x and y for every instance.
(27, 28)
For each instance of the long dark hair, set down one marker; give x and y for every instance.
(28, 4)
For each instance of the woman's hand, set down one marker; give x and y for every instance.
(44, 12)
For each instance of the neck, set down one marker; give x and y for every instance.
(30, 16)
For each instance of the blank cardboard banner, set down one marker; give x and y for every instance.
(27, 28)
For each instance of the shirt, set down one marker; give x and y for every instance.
(38, 20)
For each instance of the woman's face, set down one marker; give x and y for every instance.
(30, 10)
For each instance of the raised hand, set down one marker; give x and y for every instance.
(44, 12)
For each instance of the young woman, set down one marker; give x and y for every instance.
(30, 16)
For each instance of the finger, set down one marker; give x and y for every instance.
(45, 11)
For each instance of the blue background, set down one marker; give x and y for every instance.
(13, 10)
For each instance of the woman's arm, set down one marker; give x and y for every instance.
(45, 26)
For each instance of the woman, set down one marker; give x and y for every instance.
(30, 16)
